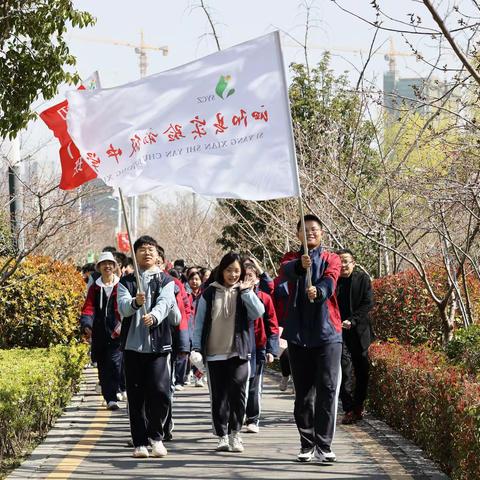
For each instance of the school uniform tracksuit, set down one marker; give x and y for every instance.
(100, 314)
(224, 334)
(181, 340)
(266, 341)
(280, 302)
(147, 352)
(314, 334)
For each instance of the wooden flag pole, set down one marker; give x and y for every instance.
(135, 265)
(305, 246)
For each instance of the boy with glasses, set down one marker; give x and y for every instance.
(147, 341)
(314, 333)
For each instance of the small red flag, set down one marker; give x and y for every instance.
(122, 242)
(75, 171)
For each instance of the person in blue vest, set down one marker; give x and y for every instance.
(147, 342)
(224, 337)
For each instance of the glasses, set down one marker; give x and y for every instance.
(147, 250)
(347, 263)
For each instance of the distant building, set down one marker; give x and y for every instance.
(413, 94)
(401, 93)
(100, 204)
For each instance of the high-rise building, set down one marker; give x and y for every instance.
(100, 203)
(405, 93)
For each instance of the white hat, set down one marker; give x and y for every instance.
(106, 257)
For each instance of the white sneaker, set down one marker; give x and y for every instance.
(324, 457)
(112, 405)
(98, 388)
(282, 386)
(252, 428)
(158, 449)
(122, 396)
(179, 388)
(223, 445)
(140, 452)
(236, 444)
(199, 382)
(306, 454)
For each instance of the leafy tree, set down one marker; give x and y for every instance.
(34, 57)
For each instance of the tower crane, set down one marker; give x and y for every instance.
(140, 49)
(389, 55)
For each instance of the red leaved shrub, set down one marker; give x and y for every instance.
(405, 311)
(436, 405)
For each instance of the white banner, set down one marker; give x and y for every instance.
(219, 125)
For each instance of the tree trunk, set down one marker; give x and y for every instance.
(447, 321)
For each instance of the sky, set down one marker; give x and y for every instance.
(183, 27)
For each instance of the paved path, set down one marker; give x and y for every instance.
(89, 442)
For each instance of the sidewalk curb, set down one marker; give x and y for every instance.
(31, 466)
(425, 465)
(415, 454)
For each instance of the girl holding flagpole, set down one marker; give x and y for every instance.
(224, 337)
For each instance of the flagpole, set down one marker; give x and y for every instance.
(135, 265)
(293, 152)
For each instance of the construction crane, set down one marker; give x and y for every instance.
(140, 49)
(389, 55)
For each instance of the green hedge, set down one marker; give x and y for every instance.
(35, 385)
(435, 404)
(40, 304)
(464, 348)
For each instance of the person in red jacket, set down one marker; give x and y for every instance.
(195, 283)
(313, 330)
(280, 302)
(100, 321)
(180, 344)
(266, 345)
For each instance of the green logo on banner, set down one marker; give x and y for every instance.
(223, 88)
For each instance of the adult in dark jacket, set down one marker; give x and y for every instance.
(355, 298)
(314, 335)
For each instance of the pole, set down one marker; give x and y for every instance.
(294, 155)
(15, 195)
(305, 246)
(136, 202)
(135, 265)
(119, 215)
